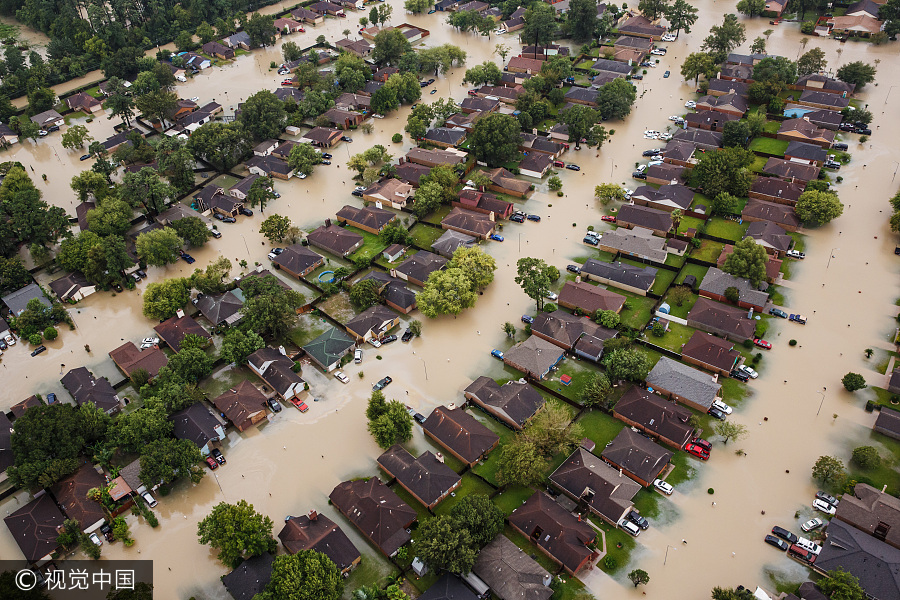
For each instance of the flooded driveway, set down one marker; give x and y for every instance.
(291, 464)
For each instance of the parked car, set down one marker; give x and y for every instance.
(796, 254)
(812, 524)
(328, 156)
(665, 136)
(274, 405)
(572, 167)
(863, 131)
(777, 312)
(639, 175)
(778, 543)
(740, 375)
(664, 487)
(749, 371)
(375, 343)
(589, 239)
(527, 319)
(496, 237)
(326, 162)
(497, 354)
(651, 134)
(339, 375)
(215, 233)
(217, 454)
(211, 463)
(535, 218)
(653, 152)
(301, 406)
(638, 77)
(246, 212)
(630, 527)
(573, 269)
(345, 138)
(52, 128)
(38, 350)
(357, 356)
(608, 218)
(95, 539)
(839, 146)
(517, 218)
(85, 157)
(551, 295)
(654, 163)
(833, 164)
(784, 534)
(10, 340)
(798, 319)
(827, 498)
(802, 554)
(702, 443)
(407, 336)
(3, 345)
(809, 545)
(658, 52)
(722, 406)
(690, 104)
(666, 74)
(697, 451)
(636, 518)
(715, 412)
(823, 506)
(382, 383)
(356, 193)
(389, 339)
(187, 258)
(762, 343)
(275, 252)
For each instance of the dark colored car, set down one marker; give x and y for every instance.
(357, 193)
(246, 212)
(638, 77)
(53, 128)
(638, 520)
(345, 138)
(326, 162)
(639, 175)
(740, 375)
(573, 269)
(211, 463)
(534, 218)
(217, 454)
(785, 534)
(38, 350)
(572, 167)
(778, 543)
(652, 152)
(218, 216)
(229, 220)
(863, 131)
(589, 239)
(715, 412)
(777, 312)
(188, 258)
(85, 157)
(389, 339)
(407, 335)
(420, 418)
(141, 273)
(326, 155)
(527, 319)
(514, 218)
(3, 345)
(274, 404)
(382, 384)
(839, 146)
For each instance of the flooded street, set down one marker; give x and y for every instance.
(291, 464)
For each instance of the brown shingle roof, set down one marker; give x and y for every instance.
(559, 534)
(589, 298)
(35, 527)
(71, 494)
(666, 419)
(476, 223)
(711, 350)
(644, 216)
(459, 431)
(241, 404)
(376, 511)
(636, 454)
(511, 573)
(173, 330)
(517, 401)
(428, 479)
(129, 358)
(335, 239)
(770, 211)
(318, 532)
(367, 216)
(729, 319)
(612, 491)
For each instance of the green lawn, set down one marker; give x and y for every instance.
(683, 310)
(758, 164)
(75, 115)
(512, 498)
(371, 248)
(374, 569)
(664, 279)
(639, 311)
(673, 260)
(709, 251)
(799, 240)
(308, 328)
(470, 485)
(437, 216)
(684, 468)
(776, 295)
(424, 236)
(674, 338)
(697, 271)
(772, 127)
(619, 546)
(338, 307)
(689, 223)
(599, 427)
(729, 230)
(488, 468)
(769, 145)
(734, 392)
(581, 371)
(886, 473)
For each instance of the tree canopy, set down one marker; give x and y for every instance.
(263, 115)
(495, 139)
(237, 531)
(857, 73)
(615, 99)
(306, 575)
(816, 207)
(446, 292)
(748, 260)
(724, 170)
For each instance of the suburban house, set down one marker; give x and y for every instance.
(19, 409)
(217, 50)
(742, 73)
(624, 276)
(71, 493)
(632, 215)
(637, 457)
(393, 192)
(445, 137)
(888, 421)
(823, 83)
(506, 95)
(197, 424)
(426, 478)
(327, 8)
(589, 298)
(560, 535)
(238, 40)
(269, 166)
(790, 170)
(667, 197)
(774, 189)
(277, 371)
(711, 353)
(266, 148)
(504, 182)
(605, 491)
(535, 357)
(862, 25)
(73, 286)
(374, 322)
(780, 214)
(318, 532)
(771, 237)
(83, 101)
(511, 573)
(519, 64)
(700, 138)
(460, 434)
(535, 164)
(335, 239)
(241, 189)
(720, 87)
(434, 157)
(112, 143)
(84, 387)
(350, 101)
(484, 202)
(810, 154)
(825, 118)
(298, 260)
(367, 218)
(629, 41)
(48, 118)
(393, 252)
(35, 528)
(222, 309)
(7, 135)
(681, 153)
(449, 587)
(874, 563)
(18, 301)
(393, 291)
(130, 359)
(660, 419)
(286, 94)
(328, 349)
(410, 173)
(452, 240)
(251, 577)
(640, 26)
(530, 142)
(322, 137)
(803, 131)
(637, 242)
(684, 384)
(716, 282)
(419, 266)
(212, 198)
(512, 403)
(360, 48)
(468, 222)
(479, 105)
(173, 330)
(729, 104)
(666, 174)
(730, 322)
(379, 514)
(583, 95)
(343, 119)
(244, 405)
(308, 16)
(872, 511)
(568, 331)
(710, 120)
(823, 100)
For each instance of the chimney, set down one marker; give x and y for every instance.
(451, 406)
(313, 515)
(440, 457)
(179, 313)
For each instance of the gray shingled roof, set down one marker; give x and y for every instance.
(717, 281)
(623, 273)
(685, 381)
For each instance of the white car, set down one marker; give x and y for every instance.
(650, 133)
(665, 136)
(668, 38)
(377, 116)
(690, 104)
(628, 194)
(722, 406)
(339, 375)
(824, 507)
(658, 52)
(749, 371)
(10, 340)
(96, 539)
(654, 163)
(664, 487)
(675, 118)
(150, 500)
(812, 524)
(656, 157)
(551, 295)
(630, 527)
(375, 342)
(796, 254)
(641, 168)
(809, 545)
(302, 175)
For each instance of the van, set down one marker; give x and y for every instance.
(809, 545)
(630, 527)
(357, 356)
(802, 554)
(149, 499)
(181, 78)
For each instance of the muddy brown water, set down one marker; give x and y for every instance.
(281, 458)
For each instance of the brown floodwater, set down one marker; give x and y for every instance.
(275, 467)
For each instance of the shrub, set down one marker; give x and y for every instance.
(51, 333)
(35, 339)
(748, 344)
(863, 139)
(792, 343)
(865, 457)
(610, 562)
(710, 491)
(397, 138)
(549, 307)
(559, 194)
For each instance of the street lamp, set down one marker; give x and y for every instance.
(667, 553)
(830, 256)
(820, 403)
(424, 366)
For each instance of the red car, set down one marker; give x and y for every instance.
(213, 465)
(559, 163)
(703, 444)
(287, 82)
(762, 343)
(473, 92)
(300, 404)
(609, 218)
(697, 451)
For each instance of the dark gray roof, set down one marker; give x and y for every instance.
(371, 320)
(717, 281)
(34, 527)
(219, 308)
(623, 273)
(612, 492)
(770, 234)
(675, 195)
(534, 356)
(448, 587)
(393, 290)
(701, 137)
(329, 347)
(445, 135)
(559, 533)
(456, 429)
(195, 423)
(250, 577)
(685, 381)
(421, 264)
(425, 477)
(613, 66)
(664, 418)
(518, 401)
(297, 258)
(806, 151)
(450, 240)
(636, 454)
(318, 532)
(376, 510)
(875, 563)
(17, 301)
(84, 387)
(511, 573)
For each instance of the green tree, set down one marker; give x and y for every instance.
(41, 99)
(486, 73)
(427, 198)
(263, 115)
(212, 279)
(521, 463)
(159, 247)
(446, 292)
(157, 105)
(829, 470)
(443, 545)
(725, 170)
(582, 19)
(28, 218)
(608, 318)
(866, 457)
(732, 294)
(775, 69)
(145, 188)
(13, 274)
(853, 382)
(697, 64)
(857, 73)
(615, 99)
(495, 139)
(627, 363)
(291, 52)
(176, 163)
(730, 431)
(261, 29)
(748, 260)
(653, 9)
(270, 310)
(75, 137)
(111, 217)
(190, 364)
(889, 12)
(751, 8)
(415, 326)
(596, 390)
(275, 227)
(239, 344)
(303, 157)
(533, 275)
(736, 134)
(221, 144)
(306, 575)
(132, 431)
(606, 193)
(724, 38)
(812, 61)
(205, 32)
(838, 584)
(192, 230)
(758, 46)
(638, 577)
(417, 6)
(681, 15)
(725, 204)
(552, 430)
(580, 119)
(390, 45)
(476, 264)
(818, 207)
(163, 298)
(395, 233)
(540, 24)
(261, 192)
(237, 531)
(416, 128)
(167, 459)
(364, 294)
(392, 426)
(480, 517)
